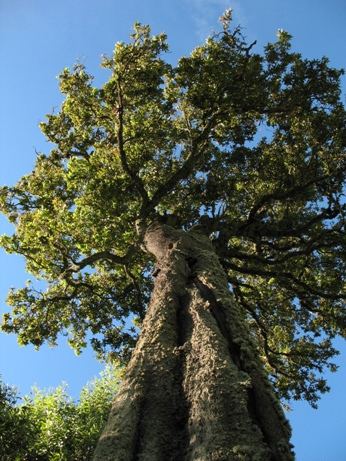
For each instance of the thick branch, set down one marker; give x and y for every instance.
(100, 256)
(305, 249)
(269, 230)
(283, 275)
(278, 195)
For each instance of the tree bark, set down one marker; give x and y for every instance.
(194, 389)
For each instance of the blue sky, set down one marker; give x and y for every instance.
(38, 38)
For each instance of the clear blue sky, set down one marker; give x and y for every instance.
(38, 38)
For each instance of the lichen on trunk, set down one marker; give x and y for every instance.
(194, 388)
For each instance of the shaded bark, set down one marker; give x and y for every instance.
(194, 388)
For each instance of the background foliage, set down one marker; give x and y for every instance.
(50, 426)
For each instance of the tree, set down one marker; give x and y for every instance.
(50, 426)
(216, 187)
(13, 428)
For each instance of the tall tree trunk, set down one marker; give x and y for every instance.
(194, 388)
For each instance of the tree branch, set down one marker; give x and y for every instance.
(278, 195)
(306, 249)
(264, 334)
(187, 167)
(99, 256)
(283, 275)
(137, 182)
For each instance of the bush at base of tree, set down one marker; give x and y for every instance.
(50, 426)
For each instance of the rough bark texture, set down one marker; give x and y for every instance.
(194, 388)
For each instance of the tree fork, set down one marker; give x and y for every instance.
(194, 388)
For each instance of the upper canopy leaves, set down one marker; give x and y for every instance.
(249, 146)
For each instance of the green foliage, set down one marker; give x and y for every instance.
(50, 426)
(249, 146)
(14, 434)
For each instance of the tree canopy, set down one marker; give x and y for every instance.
(248, 147)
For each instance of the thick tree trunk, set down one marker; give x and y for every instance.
(194, 388)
